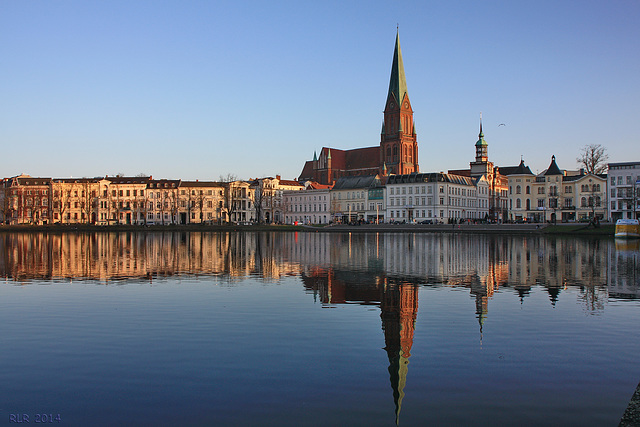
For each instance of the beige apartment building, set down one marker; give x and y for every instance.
(121, 200)
(556, 195)
(268, 198)
(201, 202)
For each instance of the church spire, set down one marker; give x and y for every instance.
(398, 144)
(398, 82)
(482, 154)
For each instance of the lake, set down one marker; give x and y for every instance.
(293, 328)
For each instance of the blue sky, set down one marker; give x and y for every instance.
(200, 89)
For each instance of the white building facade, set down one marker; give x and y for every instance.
(311, 206)
(436, 197)
(624, 190)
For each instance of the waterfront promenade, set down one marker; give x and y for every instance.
(606, 229)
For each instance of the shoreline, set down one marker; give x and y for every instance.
(606, 230)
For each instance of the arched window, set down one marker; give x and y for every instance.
(518, 190)
(518, 204)
(388, 153)
(395, 153)
(583, 202)
(528, 190)
(528, 204)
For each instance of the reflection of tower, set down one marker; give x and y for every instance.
(399, 308)
(482, 292)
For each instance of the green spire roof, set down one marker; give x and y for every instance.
(481, 142)
(398, 82)
(315, 158)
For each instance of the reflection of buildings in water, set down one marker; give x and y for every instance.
(555, 263)
(398, 301)
(624, 268)
(518, 262)
(112, 256)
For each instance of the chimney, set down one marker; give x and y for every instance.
(278, 177)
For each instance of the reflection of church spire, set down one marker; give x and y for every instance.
(399, 306)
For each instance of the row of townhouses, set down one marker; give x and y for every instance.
(552, 196)
(139, 201)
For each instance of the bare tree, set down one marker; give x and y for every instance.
(61, 200)
(228, 178)
(173, 205)
(593, 158)
(231, 196)
(258, 199)
(7, 204)
(200, 200)
(87, 200)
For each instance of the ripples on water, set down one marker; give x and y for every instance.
(231, 329)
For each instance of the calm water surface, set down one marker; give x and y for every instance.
(317, 329)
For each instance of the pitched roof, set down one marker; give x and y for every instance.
(312, 185)
(201, 184)
(521, 169)
(430, 177)
(307, 171)
(290, 183)
(362, 158)
(553, 168)
(350, 182)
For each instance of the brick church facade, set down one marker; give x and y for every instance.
(398, 149)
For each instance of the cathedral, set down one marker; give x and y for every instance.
(398, 149)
